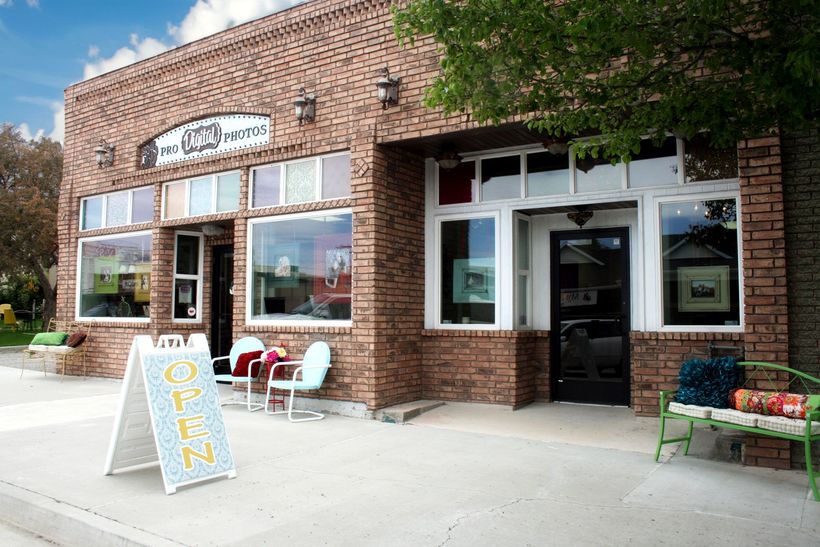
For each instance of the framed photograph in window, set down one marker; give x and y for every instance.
(285, 266)
(703, 288)
(106, 276)
(474, 281)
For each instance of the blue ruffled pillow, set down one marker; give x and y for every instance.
(707, 382)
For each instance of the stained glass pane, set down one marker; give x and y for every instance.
(116, 211)
(300, 182)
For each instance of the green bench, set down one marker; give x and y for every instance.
(771, 376)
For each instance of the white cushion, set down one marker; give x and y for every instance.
(783, 424)
(733, 416)
(51, 349)
(691, 410)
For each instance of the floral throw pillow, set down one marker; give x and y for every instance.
(770, 403)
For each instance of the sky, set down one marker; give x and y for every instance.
(46, 45)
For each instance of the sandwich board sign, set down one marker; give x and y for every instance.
(169, 412)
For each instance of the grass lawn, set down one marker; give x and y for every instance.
(18, 338)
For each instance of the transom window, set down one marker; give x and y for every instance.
(117, 209)
(312, 179)
(201, 196)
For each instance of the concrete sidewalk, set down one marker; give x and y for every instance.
(458, 475)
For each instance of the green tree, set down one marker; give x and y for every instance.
(30, 173)
(623, 69)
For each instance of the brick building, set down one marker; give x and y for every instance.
(507, 275)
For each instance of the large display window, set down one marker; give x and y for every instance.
(114, 277)
(301, 267)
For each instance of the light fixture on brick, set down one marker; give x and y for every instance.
(105, 154)
(388, 88)
(305, 106)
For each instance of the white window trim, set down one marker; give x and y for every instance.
(657, 263)
(317, 183)
(104, 209)
(249, 273)
(198, 278)
(519, 272)
(214, 190)
(437, 265)
(77, 295)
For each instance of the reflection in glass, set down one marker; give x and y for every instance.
(200, 196)
(142, 205)
(336, 176)
(654, 165)
(700, 263)
(501, 178)
(185, 298)
(266, 186)
(92, 213)
(302, 268)
(175, 200)
(468, 271)
(227, 192)
(702, 162)
(456, 185)
(187, 255)
(596, 174)
(114, 276)
(547, 174)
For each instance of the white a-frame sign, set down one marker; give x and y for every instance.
(169, 411)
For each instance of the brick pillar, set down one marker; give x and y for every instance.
(388, 270)
(764, 269)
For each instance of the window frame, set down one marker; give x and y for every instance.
(657, 263)
(104, 208)
(252, 222)
(198, 277)
(78, 276)
(438, 265)
(317, 183)
(214, 194)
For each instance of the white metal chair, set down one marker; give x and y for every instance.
(243, 345)
(313, 370)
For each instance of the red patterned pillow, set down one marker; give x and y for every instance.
(770, 403)
(241, 368)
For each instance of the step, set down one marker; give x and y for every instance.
(399, 414)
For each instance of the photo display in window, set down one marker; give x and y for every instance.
(302, 268)
(700, 263)
(468, 271)
(115, 277)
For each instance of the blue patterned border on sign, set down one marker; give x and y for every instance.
(187, 422)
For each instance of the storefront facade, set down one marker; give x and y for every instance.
(514, 275)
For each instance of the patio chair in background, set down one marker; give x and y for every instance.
(247, 344)
(311, 373)
(9, 319)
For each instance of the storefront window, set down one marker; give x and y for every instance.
(301, 181)
(201, 196)
(115, 277)
(301, 267)
(468, 271)
(700, 263)
(654, 165)
(501, 178)
(547, 174)
(188, 277)
(117, 209)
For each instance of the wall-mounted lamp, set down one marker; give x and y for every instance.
(305, 106)
(105, 154)
(388, 88)
(556, 146)
(448, 159)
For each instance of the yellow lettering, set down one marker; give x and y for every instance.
(169, 372)
(182, 396)
(188, 425)
(188, 453)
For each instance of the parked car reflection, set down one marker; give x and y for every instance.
(322, 307)
(591, 348)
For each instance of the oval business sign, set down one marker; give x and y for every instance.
(207, 137)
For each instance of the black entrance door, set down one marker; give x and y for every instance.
(590, 316)
(222, 302)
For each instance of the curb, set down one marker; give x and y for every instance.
(69, 525)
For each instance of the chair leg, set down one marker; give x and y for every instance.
(314, 415)
(252, 408)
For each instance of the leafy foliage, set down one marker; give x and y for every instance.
(30, 174)
(622, 69)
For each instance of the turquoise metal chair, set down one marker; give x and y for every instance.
(243, 345)
(311, 375)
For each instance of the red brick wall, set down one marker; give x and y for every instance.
(499, 367)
